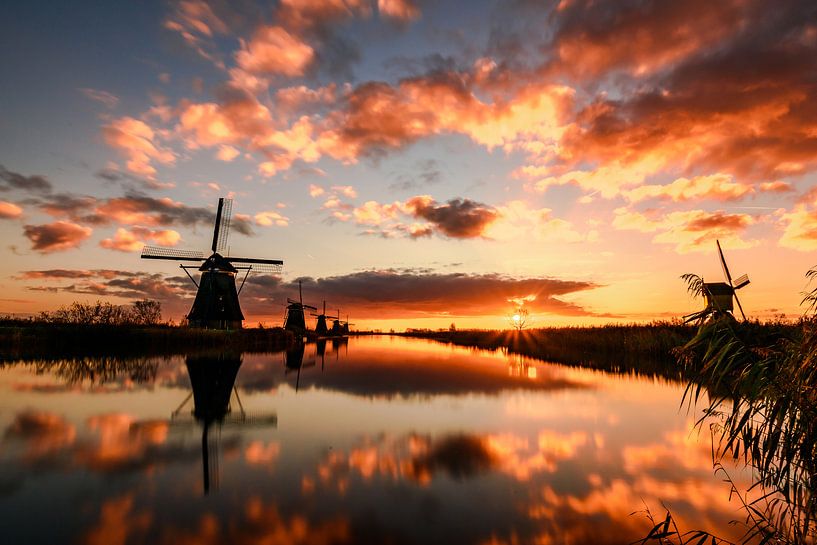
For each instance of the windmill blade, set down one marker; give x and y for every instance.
(310, 307)
(723, 264)
(224, 226)
(262, 268)
(218, 224)
(740, 307)
(741, 281)
(260, 265)
(172, 254)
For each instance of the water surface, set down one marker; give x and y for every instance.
(374, 440)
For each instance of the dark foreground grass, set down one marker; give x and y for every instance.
(21, 339)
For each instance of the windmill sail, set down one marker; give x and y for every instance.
(174, 254)
(260, 265)
(224, 225)
(729, 279)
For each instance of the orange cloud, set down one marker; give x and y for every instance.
(800, 231)
(273, 50)
(9, 210)
(593, 39)
(400, 10)
(227, 153)
(271, 217)
(56, 237)
(133, 240)
(136, 141)
(719, 187)
(517, 220)
(689, 231)
(197, 23)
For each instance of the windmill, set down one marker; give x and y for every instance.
(718, 295)
(216, 305)
(294, 319)
(345, 325)
(337, 328)
(320, 327)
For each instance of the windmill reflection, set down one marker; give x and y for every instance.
(212, 378)
(303, 355)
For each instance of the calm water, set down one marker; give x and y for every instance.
(380, 440)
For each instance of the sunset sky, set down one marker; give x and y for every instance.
(415, 162)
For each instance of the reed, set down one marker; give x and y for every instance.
(758, 389)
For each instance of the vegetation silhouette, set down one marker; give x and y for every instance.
(759, 396)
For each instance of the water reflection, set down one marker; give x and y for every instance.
(387, 440)
(212, 379)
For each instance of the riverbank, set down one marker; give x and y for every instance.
(645, 349)
(31, 339)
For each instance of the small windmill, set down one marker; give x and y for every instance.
(294, 319)
(216, 305)
(345, 325)
(718, 295)
(337, 327)
(320, 326)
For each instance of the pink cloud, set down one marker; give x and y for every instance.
(137, 141)
(133, 239)
(271, 217)
(56, 237)
(227, 153)
(273, 50)
(400, 10)
(9, 210)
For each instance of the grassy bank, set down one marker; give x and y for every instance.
(645, 349)
(31, 339)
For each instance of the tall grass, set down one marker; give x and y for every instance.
(758, 388)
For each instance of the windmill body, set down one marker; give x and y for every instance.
(216, 305)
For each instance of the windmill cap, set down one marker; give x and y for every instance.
(218, 262)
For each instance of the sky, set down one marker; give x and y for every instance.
(414, 163)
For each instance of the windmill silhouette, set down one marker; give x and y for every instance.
(345, 325)
(718, 295)
(320, 326)
(294, 319)
(337, 327)
(216, 305)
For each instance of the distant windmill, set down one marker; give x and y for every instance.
(337, 327)
(718, 295)
(320, 326)
(216, 305)
(345, 326)
(294, 319)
